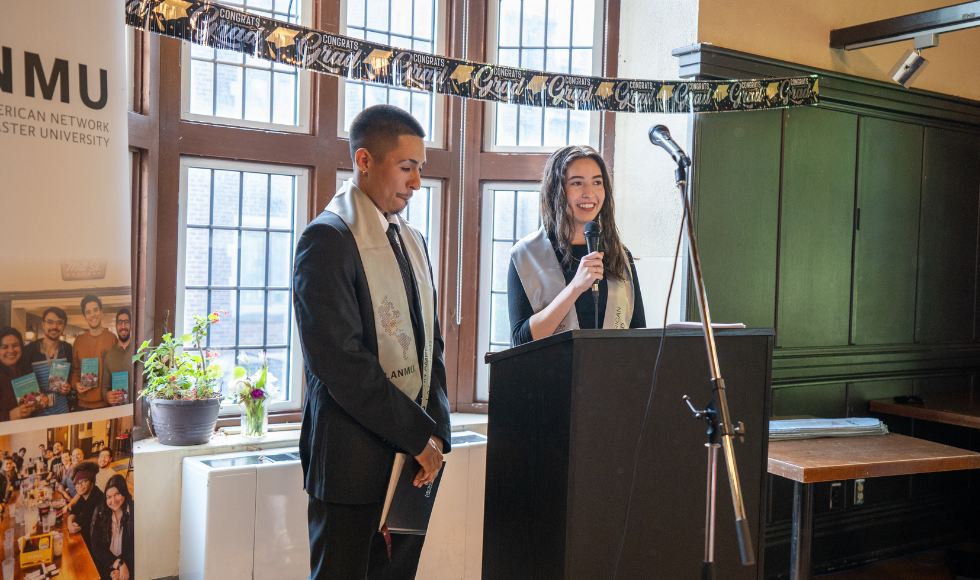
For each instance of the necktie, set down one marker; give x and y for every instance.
(403, 266)
(409, 281)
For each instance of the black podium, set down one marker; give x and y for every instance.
(565, 414)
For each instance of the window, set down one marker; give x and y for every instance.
(246, 91)
(562, 36)
(424, 211)
(414, 24)
(510, 212)
(239, 226)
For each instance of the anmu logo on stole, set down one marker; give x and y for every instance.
(389, 322)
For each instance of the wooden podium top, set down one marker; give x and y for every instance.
(837, 458)
(950, 408)
(592, 333)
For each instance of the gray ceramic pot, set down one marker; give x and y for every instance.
(184, 422)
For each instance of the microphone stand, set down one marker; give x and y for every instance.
(716, 414)
(595, 302)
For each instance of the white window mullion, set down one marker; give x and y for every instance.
(239, 224)
(562, 36)
(372, 20)
(215, 83)
(510, 211)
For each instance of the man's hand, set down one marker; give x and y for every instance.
(74, 528)
(115, 397)
(431, 461)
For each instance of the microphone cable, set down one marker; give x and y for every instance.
(653, 390)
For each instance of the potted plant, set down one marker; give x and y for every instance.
(182, 387)
(253, 392)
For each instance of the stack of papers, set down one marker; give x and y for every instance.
(699, 326)
(813, 428)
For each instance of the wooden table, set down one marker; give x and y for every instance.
(950, 408)
(75, 562)
(809, 461)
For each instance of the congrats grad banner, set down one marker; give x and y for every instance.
(219, 26)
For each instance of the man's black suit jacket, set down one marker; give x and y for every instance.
(354, 418)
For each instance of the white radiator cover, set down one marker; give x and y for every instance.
(243, 516)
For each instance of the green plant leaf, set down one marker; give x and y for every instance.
(186, 338)
(240, 372)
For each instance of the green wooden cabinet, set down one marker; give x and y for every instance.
(737, 210)
(889, 177)
(816, 228)
(948, 237)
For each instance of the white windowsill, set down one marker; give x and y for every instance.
(284, 435)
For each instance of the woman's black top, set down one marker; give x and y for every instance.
(100, 539)
(520, 307)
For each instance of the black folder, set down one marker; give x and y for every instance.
(408, 508)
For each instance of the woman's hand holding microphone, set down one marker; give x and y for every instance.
(589, 272)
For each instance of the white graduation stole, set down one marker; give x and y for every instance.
(392, 311)
(542, 278)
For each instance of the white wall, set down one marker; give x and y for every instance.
(648, 206)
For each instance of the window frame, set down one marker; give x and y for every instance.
(303, 81)
(482, 387)
(161, 138)
(300, 220)
(437, 139)
(490, 127)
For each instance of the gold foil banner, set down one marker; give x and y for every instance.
(218, 26)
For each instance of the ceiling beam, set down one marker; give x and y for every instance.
(940, 20)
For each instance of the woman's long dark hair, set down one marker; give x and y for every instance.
(20, 367)
(102, 522)
(556, 213)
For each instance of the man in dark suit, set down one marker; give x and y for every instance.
(359, 408)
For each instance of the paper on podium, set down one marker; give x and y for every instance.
(698, 325)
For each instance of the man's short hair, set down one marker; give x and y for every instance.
(57, 312)
(378, 128)
(22, 450)
(90, 298)
(126, 312)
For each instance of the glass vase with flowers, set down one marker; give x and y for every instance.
(253, 393)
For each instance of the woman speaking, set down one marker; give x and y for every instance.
(551, 274)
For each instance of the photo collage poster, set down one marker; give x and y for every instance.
(66, 316)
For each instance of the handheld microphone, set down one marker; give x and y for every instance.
(592, 237)
(660, 136)
(592, 245)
